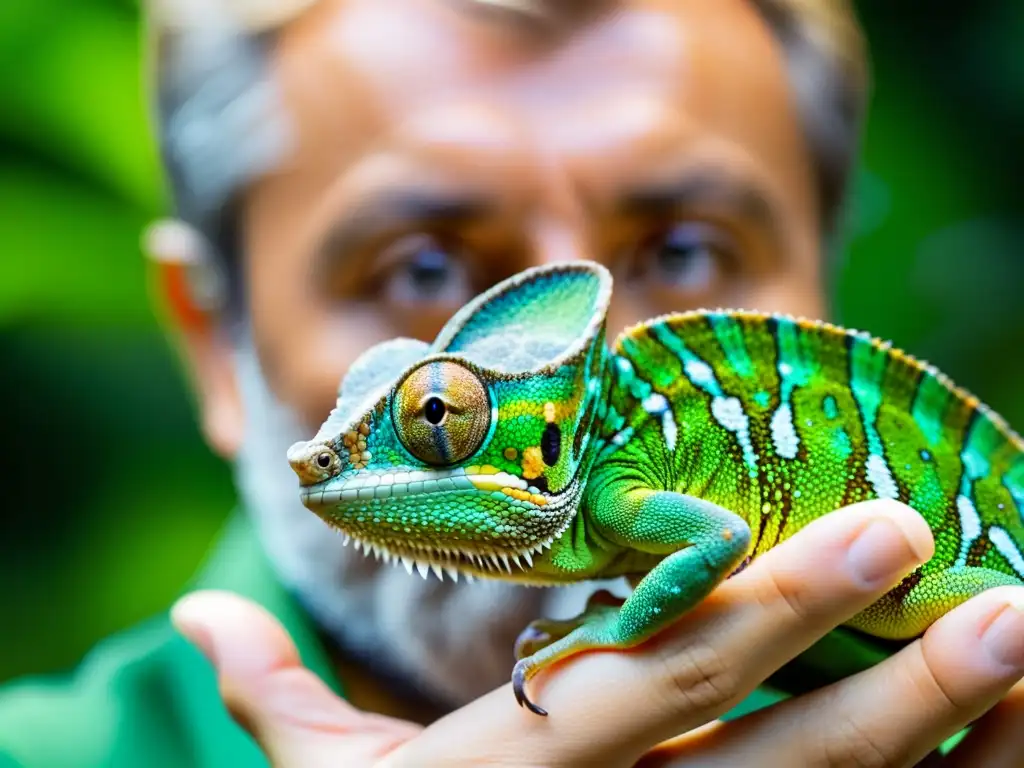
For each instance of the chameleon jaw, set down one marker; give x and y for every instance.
(355, 505)
(510, 566)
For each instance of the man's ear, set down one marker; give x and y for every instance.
(191, 294)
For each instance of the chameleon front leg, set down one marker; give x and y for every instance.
(703, 544)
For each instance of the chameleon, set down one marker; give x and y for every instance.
(519, 446)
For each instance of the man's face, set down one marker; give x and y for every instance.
(437, 151)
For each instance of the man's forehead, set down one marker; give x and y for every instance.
(400, 58)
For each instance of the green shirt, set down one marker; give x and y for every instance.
(146, 697)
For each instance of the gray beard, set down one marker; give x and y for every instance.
(450, 642)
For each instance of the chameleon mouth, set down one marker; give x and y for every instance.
(357, 507)
(425, 559)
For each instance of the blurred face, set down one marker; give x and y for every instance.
(437, 152)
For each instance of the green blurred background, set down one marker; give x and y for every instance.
(109, 496)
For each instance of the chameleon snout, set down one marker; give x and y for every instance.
(313, 462)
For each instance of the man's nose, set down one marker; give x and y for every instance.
(557, 242)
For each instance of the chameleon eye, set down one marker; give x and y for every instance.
(441, 413)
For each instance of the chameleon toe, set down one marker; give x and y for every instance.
(519, 688)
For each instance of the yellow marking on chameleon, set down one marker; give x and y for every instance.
(487, 469)
(563, 409)
(534, 498)
(533, 463)
(364, 429)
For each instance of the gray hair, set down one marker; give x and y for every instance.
(218, 128)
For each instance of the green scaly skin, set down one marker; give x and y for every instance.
(518, 447)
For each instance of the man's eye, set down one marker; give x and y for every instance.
(690, 257)
(424, 271)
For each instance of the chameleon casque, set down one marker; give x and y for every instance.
(517, 446)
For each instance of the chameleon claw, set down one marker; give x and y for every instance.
(519, 688)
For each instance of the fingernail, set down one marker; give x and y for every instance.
(1004, 638)
(881, 552)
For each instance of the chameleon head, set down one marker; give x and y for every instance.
(468, 453)
(419, 475)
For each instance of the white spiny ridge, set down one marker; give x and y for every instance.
(387, 484)
(445, 560)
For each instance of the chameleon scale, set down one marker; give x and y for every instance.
(518, 446)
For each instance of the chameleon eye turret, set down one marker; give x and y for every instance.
(441, 413)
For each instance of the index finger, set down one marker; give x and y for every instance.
(610, 707)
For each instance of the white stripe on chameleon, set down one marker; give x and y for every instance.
(657, 405)
(668, 426)
(701, 374)
(867, 391)
(422, 481)
(1002, 542)
(621, 438)
(881, 478)
(792, 374)
(784, 436)
(975, 467)
(970, 526)
(728, 411)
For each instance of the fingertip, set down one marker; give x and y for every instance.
(994, 620)
(911, 523)
(240, 638)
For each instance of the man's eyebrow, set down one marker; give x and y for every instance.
(384, 212)
(703, 187)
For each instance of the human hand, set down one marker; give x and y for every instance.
(618, 709)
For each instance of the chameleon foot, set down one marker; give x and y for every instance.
(710, 542)
(543, 632)
(552, 641)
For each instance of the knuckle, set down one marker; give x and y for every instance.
(776, 589)
(928, 685)
(698, 678)
(855, 747)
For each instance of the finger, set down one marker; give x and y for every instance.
(997, 739)
(786, 601)
(294, 717)
(610, 708)
(890, 715)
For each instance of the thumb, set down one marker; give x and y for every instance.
(290, 712)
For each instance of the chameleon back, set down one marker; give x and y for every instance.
(784, 420)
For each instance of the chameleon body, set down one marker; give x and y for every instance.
(519, 446)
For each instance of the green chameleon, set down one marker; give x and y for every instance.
(517, 446)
